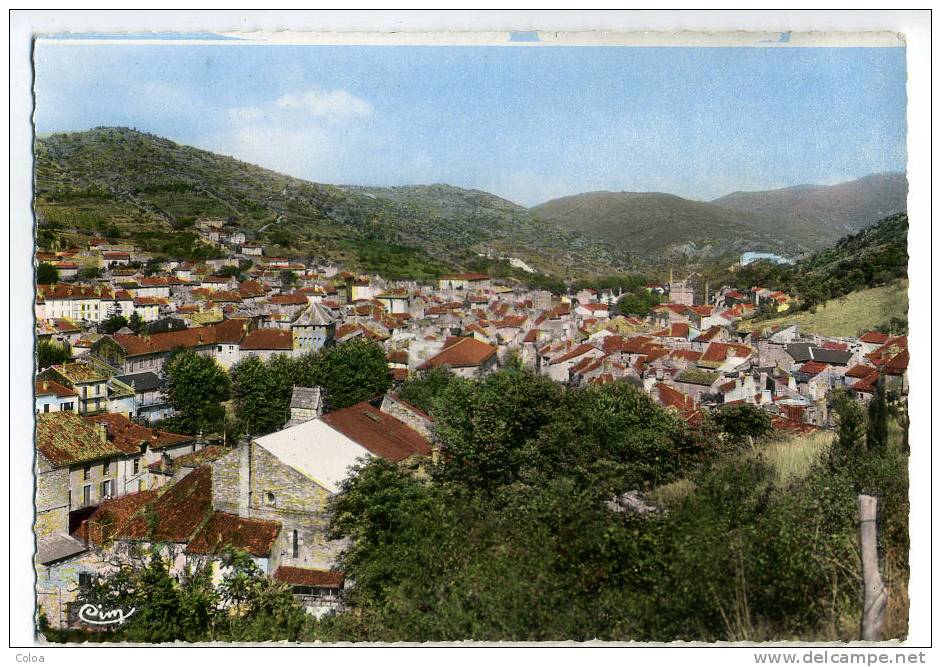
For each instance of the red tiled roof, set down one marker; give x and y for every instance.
(398, 356)
(378, 432)
(637, 344)
(130, 435)
(868, 383)
(47, 387)
(688, 355)
(717, 353)
(288, 299)
(65, 438)
(860, 371)
(707, 335)
(65, 291)
(268, 339)
(595, 307)
(784, 424)
(178, 512)
(813, 368)
(256, 536)
(573, 353)
(675, 330)
(229, 331)
(874, 338)
(251, 288)
(673, 398)
(531, 336)
(463, 353)
(512, 321)
(112, 515)
(302, 576)
(897, 364)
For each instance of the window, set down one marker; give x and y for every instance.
(86, 473)
(45, 407)
(86, 494)
(84, 579)
(106, 488)
(269, 498)
(106, 468)
(136, 465)
(294, 544)
(68, 407)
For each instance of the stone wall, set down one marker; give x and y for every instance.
(406, 414)
(280, 493)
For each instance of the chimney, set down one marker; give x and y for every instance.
(102, 431)
(45, 385)
(245, 478)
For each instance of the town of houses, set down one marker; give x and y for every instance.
(110, 482)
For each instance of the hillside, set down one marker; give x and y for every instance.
(850, 315)
(842, 208)
(874, 257)
(141, 187)
(662, 224)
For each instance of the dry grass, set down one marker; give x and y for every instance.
(672, 494)
(792, 457)
(855, 313)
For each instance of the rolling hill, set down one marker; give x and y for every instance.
(658, 223)
(843, 208)
(142, 187)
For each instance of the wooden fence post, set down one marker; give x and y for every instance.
(875, 596)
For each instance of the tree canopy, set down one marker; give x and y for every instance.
(46, 274)
(196, 386)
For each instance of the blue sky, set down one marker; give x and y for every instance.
(526, 123)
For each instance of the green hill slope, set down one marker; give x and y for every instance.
(142, 187)
(849, 315)
(662, 224)
(845, 207)
(876, 256)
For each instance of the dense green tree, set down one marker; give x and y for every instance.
(114, 323)
(851, 429)
(196, 386)
(135, 323)
(46, 274)
(877, 423)
(483, 426)
(425, 389)
(349, 373)
(50, 354)
(639, 302)
(288, 278)
(262, 393)
(742, 421)
(229, 270)
(89, 273)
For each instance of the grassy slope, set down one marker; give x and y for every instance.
(150, 188)
(850, 315)
(841, 208)
(657, 223)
